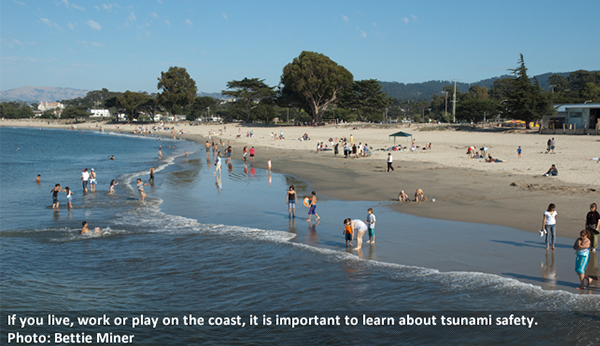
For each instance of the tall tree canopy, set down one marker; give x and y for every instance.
(250, 93)
(313, 82)
(527, 101)
(131, 102)
(200, 107)
(178, 89)
(366, 97)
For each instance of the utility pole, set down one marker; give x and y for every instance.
(454, 104)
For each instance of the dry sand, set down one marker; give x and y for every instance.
(513, 193)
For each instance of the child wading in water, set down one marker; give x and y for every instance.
(69, 197)
(140, 187)
(313, 207)
(55, 192)
(111, 187)
(348, 232)
(582, 248)
(371, 223)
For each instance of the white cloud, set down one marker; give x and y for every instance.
(189, 22)
(97, 45)
(168, 22)
(224, 15)
(363, 34)
(346, 20)
(65, 2)
(78, 7)
(49, 23)
(93, 24)
(107, 7)
(19, 3)
(154, 15)
(96, 7)
(132, 17)
(406, 20)
(413, 17)
(160, 2)
(15, 41)
(374, 24)
(147, 34)
(71, 26)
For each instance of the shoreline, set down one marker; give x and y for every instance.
(487, 195)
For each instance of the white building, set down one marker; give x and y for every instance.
(99, 113)
(44, 106)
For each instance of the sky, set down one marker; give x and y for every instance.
(125, 44)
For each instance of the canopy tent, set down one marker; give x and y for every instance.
(400, 134)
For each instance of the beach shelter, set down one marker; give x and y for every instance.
(400, 134)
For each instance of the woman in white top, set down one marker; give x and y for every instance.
(549, 224)
(358, 228)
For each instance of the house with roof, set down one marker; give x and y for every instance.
(577, 118)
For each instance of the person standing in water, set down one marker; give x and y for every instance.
(592, 224)
(292, 199)
(549, 224)
(218, 164)
(111, 187)
(371, 223)
(55, 192)
(160, 153)
(269, 166)
(582, 248)
(151, 180)
(359, 228)
(37, 180)
(313, 207)
(140, 187)
(85, 178)
(92, 181)
(69, 197)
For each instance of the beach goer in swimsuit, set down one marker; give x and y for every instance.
(419, 196)
(160, 153)
(252, 154)
(402, 196)
(313, 207)
(84, 228)
(111, 187)
(549, 224)
(582, 249)
(269, 166)
(92, 181)
(592, 225)
(371, 219)
(69, 197)
(151, 180)
(37, 180)
(291, 201)
(140, 187)
(55, 192)
(245, 152)
(85, 177)
(359, 228)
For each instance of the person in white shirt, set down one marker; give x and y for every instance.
(389, 162)
(549, 224)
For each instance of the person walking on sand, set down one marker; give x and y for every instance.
(313, 207)
(151, 180)
(292, 199)
(85, 178)
(549, 224)
(140, 187)
(218, 164)
(359, 228)
(371, 219)
(244, 153)
(55, 192)
(592, 225)
(519, 152)
(389, 163)
(582, 249)
(92, 181)
(69, 197)
(552, 145)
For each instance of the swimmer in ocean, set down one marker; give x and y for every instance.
(85, 229)
(37, 180)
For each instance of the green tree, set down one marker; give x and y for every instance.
(366, 97)
(313, 82)
(249, 93)
(48, 114)
(200, 107)
(476, 109)
(559, 83)
(527, 102)
(178, 89)
(131, 102)
(75, 112)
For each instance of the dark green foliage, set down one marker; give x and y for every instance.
(15, 110)
(131, 103)
(367, 98)
(75, 112)
(313, 82)
(178, 89)
(249, 94)
(199, 108)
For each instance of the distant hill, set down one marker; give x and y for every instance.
(426, 90)
(37, 94)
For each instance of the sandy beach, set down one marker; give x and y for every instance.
(513, 193)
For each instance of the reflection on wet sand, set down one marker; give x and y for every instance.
(549, 269)
(312, 237)
(219, 183)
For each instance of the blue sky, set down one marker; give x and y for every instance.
(124, 45)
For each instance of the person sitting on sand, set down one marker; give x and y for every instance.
(419, 196)
(595, 159)
(552, 171)
(491, 159)
(402, 197)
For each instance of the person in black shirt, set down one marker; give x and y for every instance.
(592, 224)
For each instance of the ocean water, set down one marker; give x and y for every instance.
(225, 246)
